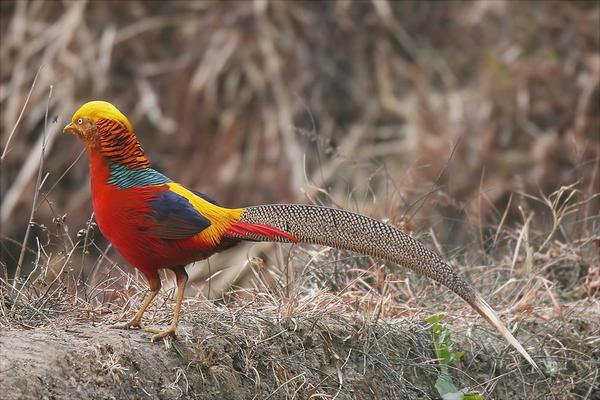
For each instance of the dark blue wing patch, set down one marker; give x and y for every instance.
(175, 217)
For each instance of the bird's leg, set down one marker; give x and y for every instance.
(136, 321)
(182, 279)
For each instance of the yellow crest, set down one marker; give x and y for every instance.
(96, 110)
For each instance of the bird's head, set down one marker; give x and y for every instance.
(86, 120)
(103, 128)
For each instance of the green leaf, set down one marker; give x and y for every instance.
(473, 396)
(435, 318)
(444, 385)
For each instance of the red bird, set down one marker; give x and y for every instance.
(156, 223)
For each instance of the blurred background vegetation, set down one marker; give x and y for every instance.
(444, 117)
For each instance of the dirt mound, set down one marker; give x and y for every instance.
(257, 359)
(318, 350)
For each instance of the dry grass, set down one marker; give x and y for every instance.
(474, 126)
(320, 322)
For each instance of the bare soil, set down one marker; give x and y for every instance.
(237, 352)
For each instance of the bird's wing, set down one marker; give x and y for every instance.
(180, 213)
(175, 217)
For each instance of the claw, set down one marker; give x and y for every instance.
(170, 331)
(133, 324)
(136, 321)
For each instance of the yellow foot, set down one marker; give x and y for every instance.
(133, 324)
(159, 334)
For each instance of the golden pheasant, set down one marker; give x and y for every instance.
(157, 223)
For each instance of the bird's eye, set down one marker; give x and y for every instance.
(80, 121)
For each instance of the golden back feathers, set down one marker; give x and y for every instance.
(97, 110)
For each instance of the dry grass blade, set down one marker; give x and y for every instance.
(12, 132)
(35, 197)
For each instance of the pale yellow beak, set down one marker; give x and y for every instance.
(71, 128)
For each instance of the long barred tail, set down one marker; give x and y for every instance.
(350, 231)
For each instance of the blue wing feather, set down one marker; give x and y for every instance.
(175, 217)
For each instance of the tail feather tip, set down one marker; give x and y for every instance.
(487, 312)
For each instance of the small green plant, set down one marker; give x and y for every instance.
(442, 343)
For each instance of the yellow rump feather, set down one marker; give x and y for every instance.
(219, 217)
